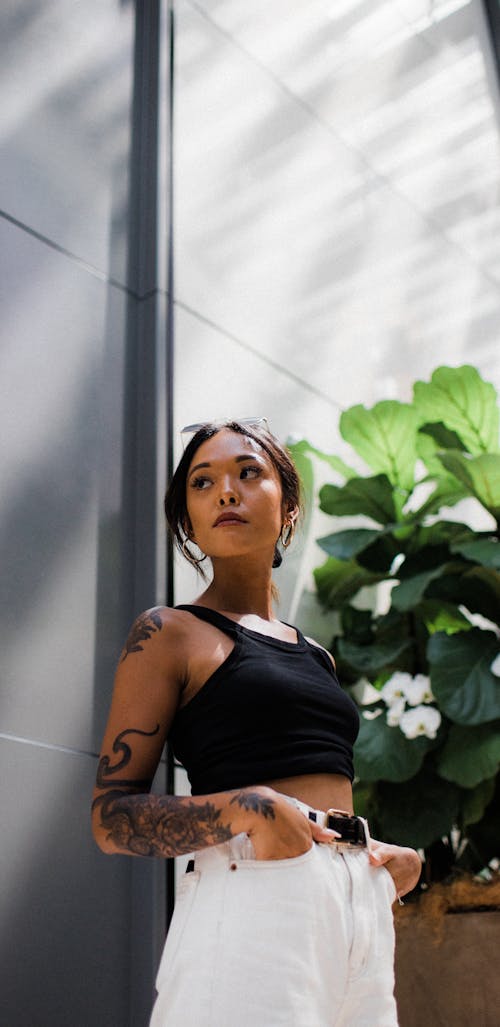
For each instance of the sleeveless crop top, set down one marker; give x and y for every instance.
(272, 709)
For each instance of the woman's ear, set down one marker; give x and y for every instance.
(292, 514)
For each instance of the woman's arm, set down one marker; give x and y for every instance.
(126, 818)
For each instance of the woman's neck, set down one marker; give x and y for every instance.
(238, 587)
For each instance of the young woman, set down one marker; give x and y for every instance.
(286, 917)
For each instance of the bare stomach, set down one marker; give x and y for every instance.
(323, 791)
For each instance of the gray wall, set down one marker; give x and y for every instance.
(82, 358)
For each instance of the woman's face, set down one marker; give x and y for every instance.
(233, 497)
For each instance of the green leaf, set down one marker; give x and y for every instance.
(475, 800)
(442, 616)
(372, 497)
(333, 461)
(357, 624)
(338, 580)
(478, 589)
(346, 544)
(420, 813)
(480, 475)
(409, 592)
(470, 754)
(448, 492)
(465, 404)
(441, 435)
(384, 753)
(482, 550)
(461, 679)
(368, 659)
(385, 437)
(430, 442)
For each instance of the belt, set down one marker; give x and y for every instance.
(354, 831)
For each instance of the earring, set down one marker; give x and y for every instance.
(189, 555)
(287, 533)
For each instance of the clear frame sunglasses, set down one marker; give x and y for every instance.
(191, 429)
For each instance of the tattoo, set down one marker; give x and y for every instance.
(151, 825)
(254, 802)
(104, 770)
(142, 629)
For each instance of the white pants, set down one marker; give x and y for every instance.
(301, 942)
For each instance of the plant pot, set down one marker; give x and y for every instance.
(447, 958)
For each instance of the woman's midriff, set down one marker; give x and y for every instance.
(322, 791)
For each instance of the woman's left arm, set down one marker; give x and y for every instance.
(404, 865)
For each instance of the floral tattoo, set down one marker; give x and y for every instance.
(146, 625)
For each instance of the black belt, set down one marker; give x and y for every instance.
(352, 830)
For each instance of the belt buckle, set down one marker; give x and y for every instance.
(343, 814)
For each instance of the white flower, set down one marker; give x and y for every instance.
(418, 690)
(395, 687)
(422, 720)
(495, 666)
(395, 712)
(371, 714)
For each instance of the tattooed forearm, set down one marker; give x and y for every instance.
(105, 770)
(255, 802)
(150, 825)
(142, 629)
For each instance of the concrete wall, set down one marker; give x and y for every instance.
(81, 318)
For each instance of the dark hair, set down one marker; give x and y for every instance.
(175, 498)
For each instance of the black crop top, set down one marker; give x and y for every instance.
(272, 709)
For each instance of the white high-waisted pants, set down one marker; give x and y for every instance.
(301, 942)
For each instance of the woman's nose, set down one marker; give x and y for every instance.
(227, 495)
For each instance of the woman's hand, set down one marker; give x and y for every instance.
(276, 828)
(404, 865)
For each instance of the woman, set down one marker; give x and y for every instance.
(286, 917)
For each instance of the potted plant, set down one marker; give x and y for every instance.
(414, 589)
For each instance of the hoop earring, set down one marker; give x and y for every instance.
(195, 561)
(287, 533)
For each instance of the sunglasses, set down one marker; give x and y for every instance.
(191, 429)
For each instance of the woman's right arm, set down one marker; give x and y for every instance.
(126, 817)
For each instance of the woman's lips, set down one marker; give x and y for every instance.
(229, 518)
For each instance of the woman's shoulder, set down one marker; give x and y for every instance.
(163, 625)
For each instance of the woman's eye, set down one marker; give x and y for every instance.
(250, 472)
(200, 483)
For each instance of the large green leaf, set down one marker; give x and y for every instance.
(385, 437)
(346, 544)
(368, 659)
(461, 679)
(441, 616)
(384, 753)
(418, 814)
(372, 497)
(479, 474)
(448, 492)
(478, 589)
(373, 549)
(465, 403)
(470, 754)
(475, 800)
(409, 592)
(480, 549)
(333, 461)
(338, 580)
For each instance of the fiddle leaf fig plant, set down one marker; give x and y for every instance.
(415, 586)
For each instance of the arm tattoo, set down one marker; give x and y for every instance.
(104, 770)
(142, 629)
(151, 825)
(254, 802)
